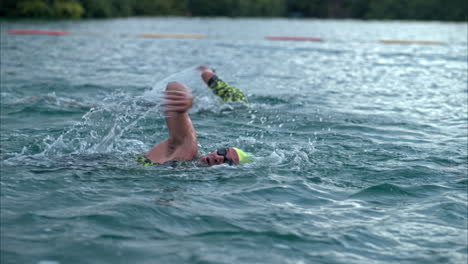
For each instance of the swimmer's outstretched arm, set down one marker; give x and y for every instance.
(182, 141)
(219, 87)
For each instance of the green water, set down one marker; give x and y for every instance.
(360, 147)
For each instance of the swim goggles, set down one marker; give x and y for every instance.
(223, 152)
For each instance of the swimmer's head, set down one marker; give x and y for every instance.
(226, 155)
(242, 156)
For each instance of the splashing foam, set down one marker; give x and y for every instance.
(103, 129)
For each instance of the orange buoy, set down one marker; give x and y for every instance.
(37, 32)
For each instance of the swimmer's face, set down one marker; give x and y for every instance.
(220, 156)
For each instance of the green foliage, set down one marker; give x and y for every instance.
(7, 8)
(235, 8)
(47, 9)
(97, 8)
(358, 8)
(266, 8)
(454, 10)
(211, 8)
(387, 9)
(122, 8)
(67, 9)
(153, 7)
(34, 8)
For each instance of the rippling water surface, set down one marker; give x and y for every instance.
(360, 147)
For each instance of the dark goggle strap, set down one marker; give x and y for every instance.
(223, 152)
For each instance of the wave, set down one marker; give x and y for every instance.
(391, 193)
(50, 104)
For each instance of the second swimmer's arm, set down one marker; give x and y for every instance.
(219, 87)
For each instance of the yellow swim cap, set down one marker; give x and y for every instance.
(243, 157)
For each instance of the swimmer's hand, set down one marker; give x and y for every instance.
(178, 101)
(206, 73)
(205, 69)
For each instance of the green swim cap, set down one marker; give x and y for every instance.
(243, 157)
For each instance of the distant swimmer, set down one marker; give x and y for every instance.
(181, 145)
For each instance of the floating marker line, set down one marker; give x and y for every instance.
(37, 32)
(199, 36)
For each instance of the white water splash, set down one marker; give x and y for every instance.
(103, 128)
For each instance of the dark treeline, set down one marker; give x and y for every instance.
(449, 10)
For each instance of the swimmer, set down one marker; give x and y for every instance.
(181, 145)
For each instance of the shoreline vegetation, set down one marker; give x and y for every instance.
(442, 10)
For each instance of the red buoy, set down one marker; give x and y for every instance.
(37, 32)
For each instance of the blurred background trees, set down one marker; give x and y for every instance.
(452, 10)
